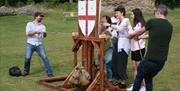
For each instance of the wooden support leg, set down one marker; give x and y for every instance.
(75, 58)
(102, 78)
(65, 83)
(94, 83)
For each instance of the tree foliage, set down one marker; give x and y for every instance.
(2, 2)
(170, 3)
(25, 2)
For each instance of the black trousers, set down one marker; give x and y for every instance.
(119, 63)
(147, 69)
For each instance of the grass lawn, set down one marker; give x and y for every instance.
(59, 50)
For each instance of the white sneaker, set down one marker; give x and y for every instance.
(143, 88)
(130, 88)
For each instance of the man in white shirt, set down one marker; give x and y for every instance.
(35, 32)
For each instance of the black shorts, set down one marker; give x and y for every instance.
(135, 55)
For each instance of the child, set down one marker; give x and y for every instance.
(108, 34)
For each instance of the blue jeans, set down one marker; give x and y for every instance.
(107, 59)
(147, 69)
(109, 71)
(41, 52)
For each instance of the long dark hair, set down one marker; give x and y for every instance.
(138, 17)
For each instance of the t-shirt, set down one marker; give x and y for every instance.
(160, 31)
(36, 39)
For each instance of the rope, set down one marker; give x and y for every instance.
(140, 50)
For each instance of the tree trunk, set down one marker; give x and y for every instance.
(70, 1)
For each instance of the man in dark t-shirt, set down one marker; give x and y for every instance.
(160, 31)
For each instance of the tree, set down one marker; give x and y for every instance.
(38, 1)
(2, 2)
(169, 3)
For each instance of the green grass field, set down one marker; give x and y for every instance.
(59, 50)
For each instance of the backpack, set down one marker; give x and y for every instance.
(15, 71)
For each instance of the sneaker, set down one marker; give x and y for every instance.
(143, 88)
(25, 74)
(116, 83)
(110, 80)
(50, 75)
(122, 86)
(130, 88)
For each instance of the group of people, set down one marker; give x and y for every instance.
(126, 37)
(116, 56)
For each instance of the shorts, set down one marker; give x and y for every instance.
(136, 55)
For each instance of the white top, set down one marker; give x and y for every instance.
(134, 43)
(114, 20)
(36, 39)
(123, 41)
(113, 32)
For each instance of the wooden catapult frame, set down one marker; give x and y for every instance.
(88, 44)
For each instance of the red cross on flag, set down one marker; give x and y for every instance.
(86, 16)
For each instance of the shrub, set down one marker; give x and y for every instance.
(5, 11)
(2, 2)
(169, 3)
